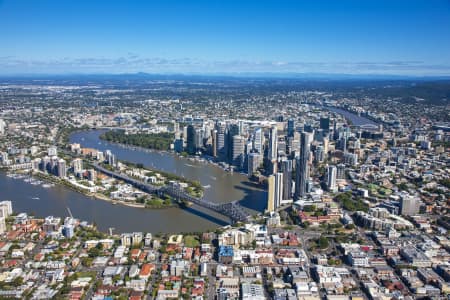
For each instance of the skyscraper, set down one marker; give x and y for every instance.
(286, 169)
(176, 129)
(3, 157)
(110, 158)
(319, 155)
(214, 142)
(409, 205)
(258, 140)
(325, 123)
(295, 147)
(331, 178)
(199, 133)
(220, 140)
(254, 161)
(325, 146)
(275, 191)
(271, 193)
(290, 127)
(178, 145)
(302, 167)
(343, 144)
(53, 168)
(2, 127)
(77, 164)
(278, 196)
(5, 208)
(61, 168)
(340, 171)
(233, 130)
(351, 158)
(45, 164)
(238, 150)
(273, 144)
(190, 139)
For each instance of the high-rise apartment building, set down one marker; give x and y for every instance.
(331, 178)
(258, 140)
(286, 169)
(61, 167)
(238, 151)
(273, 144)
(2, 127)
(302, 166)
(409, 205)
(77, 164)
(275, 191)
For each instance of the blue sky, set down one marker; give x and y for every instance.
(405, 37)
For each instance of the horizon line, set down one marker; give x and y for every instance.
(259, 75)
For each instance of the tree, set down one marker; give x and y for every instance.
(323, 242)
(350, 226)
(86, 261)
(94, 252)
(18, 281)
(309, 208)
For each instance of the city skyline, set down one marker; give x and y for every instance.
(408, 38)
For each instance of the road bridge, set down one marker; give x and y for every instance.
(233, 210)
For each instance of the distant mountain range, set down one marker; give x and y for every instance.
(225, 76)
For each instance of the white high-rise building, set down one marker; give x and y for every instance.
(2, 225)
(325, 145)
(238, 151)
(52, 151)
(100, 156)
(62, 172)
(176, 130)
(254, 161)
(5, 211)
(77, 164)
(351, 159)
(5, 208)
(2, 127)
(110, 158)
(258, 140)
(331, 179)
(273, 144)
(3, 157)
(278, 196)
(409, 205)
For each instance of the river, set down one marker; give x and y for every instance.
(54, 201)
(352, 117)
(220, 187)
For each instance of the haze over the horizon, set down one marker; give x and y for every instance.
(227, 37)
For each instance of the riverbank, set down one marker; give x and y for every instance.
(195, 189)
(102, 197)
(352, 117)
(219, 186)
(206, 159)
(98, 196)
(42, 202)
(157, 141)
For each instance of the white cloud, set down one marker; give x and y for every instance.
(135, 63)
